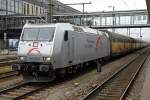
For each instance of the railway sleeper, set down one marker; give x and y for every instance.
(15, 93)
(22, 91)
(108, 98)
(108, 95)
(7, 96)
(112, 91)
(29, 89)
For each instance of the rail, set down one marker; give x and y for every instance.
(8, 74)
(22, 90)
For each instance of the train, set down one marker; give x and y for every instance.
(47, 51)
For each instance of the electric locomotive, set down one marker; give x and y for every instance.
(48, 50)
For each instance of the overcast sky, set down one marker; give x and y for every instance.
(102, 5)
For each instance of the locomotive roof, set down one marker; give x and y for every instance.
(38, 25)
(72, 27)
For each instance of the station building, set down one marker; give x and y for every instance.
(21, 9)
(32, 7)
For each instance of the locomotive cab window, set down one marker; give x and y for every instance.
(38, 34)
(66, 36)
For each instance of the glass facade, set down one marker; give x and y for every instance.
(32, 7)
(20, 7)
(27, 7)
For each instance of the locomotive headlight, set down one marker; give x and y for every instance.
(48, 58)
(21, 58)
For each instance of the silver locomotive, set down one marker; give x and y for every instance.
(45, 50)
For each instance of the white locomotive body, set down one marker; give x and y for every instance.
(45, 49)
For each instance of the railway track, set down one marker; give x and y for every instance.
(7, 60)
(4, 59)
(8, 74)
(116, 86)
(21, 90)
(7, 63)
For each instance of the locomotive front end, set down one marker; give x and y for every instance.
(35, 54)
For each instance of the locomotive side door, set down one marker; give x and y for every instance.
(71, 38)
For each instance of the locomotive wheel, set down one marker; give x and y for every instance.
(74, 71)
(52, 74)
(69, 70)
(81, 67)
(60, 73)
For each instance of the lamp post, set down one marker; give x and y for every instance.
(140, 37)
(50, 11)
(83, 9)
(5, 33)
(6, 14)
(113, 30)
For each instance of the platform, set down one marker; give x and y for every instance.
(145, 92)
